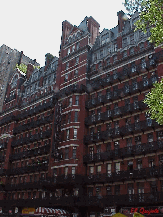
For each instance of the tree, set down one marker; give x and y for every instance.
(132, 6)
(22, 67)
(151, 16)
(154, 101)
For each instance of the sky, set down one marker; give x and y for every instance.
(35, 26)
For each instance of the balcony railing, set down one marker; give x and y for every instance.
(27, 169)
(118, 132)
(27, 185)
(116, 94)
(150, 172)
(129, 151)
(30, 153)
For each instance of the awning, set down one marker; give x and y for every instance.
(51, 211)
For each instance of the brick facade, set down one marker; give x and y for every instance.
(78, 137)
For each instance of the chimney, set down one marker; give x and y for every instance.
(29, 70)
(48, 59)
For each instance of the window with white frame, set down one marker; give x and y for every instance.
(74, 152)
(75, 133)
(68, 134)
(68, 51)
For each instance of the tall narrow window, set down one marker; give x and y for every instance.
(73, 171)
(74, 153)
(68, 134)
(66, 153)
(76, 100)
(76, 117)
(117, 167)
(69, 118)
(108, 169)
(66, 171)
(75, 133)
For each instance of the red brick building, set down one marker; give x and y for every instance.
(78, 137)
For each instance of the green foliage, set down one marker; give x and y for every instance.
(38, 67)
(49, 56)
(22, 67)
(154, 101)
(132, 6)
(151, 16)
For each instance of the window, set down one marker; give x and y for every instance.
(124, 42)
(114, 59)
(130, 165)
(132, 39)
(150, 137)
(68, 51)
(74, 153)
(101, 53)
(77, 60)
(67, 134)
(99, 114)
(76, 117)
(77, 45)
(136, 105)
(90, 191)
(66, 77)
(108, 94)
(160, 135)
(139, 164)
(98, 147)
(67, 65)
(73, 171)
(76, 73)
(117, 189)
(141, 46)
(70, 101)
(91, 152)
(91, 170)
(124, 54)
(132, 51)
(141, 191)
(75, 133)
(34, 195)
(66, 153)
(133, 67)
(134, 84)
(108, 169)
(143, 63)
(151, 162)
(73, 48)
(145, 81)
(69, 118)
(76, 100)
(117, 167)
(109, 190)
(66, 171)
(129, 144)
(115, 75)
(130, 192)
(98, 169)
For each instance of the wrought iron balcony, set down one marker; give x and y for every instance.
(129, 151)
(42, 183)
(30, 153)
(27, 169)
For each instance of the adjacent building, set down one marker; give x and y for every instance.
(8, 60)
(75, 134)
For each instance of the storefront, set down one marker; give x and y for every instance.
(145, 211)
